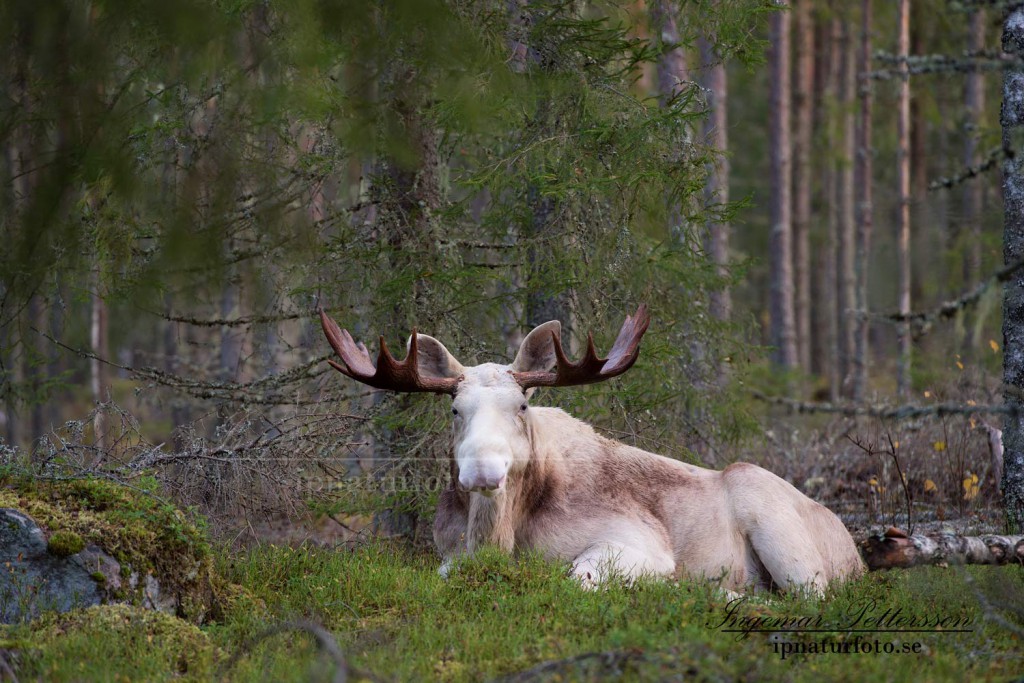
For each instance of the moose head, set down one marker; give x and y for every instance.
(490, 401)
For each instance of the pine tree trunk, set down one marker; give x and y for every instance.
(903, 190)
(97, 369)
(783, 325)
(974, 100)
(830, 271)
(821, 257)
(1012, 121)
(671, 66)
(803, 183)
(717, 189)
(672, 76)
(865, 218)
(36, 314)
(845, 280)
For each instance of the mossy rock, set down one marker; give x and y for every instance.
(146, 535)
(127, 634)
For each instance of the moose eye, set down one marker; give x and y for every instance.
(522, 407)
(454, 411)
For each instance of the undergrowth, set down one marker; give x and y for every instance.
(396, 619)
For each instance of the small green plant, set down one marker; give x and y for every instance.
(65, 544)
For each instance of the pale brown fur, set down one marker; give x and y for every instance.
(603, 505)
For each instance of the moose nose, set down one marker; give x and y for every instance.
(486, 484)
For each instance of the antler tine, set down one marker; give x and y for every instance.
(388, 372)
(591, 368)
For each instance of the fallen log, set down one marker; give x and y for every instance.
(896, 548)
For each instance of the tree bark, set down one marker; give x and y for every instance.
(845, 280)
(97, 370)
(803, 183)
(903, 192)
(897, 549)
(974, 100)
(672, 76)
(829, 271)
(1012, 122)
(822, 257)
(783, 324)
(671, 65)
(717, 189)
(865, 217)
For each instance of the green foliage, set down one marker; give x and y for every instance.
(394, 617)
(386, 160)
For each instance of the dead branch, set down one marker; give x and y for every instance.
(923, 321)
(903, 412)
(607, 660)
(6, 671)
(992, 157)
(896, 549)
(324, 640)
(231, 322)
(988, 609)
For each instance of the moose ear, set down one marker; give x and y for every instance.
(434, 361)
(537, 352)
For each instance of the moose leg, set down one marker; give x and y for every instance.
(450, 527)
(631, 550)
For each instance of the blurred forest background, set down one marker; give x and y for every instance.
(796, 191)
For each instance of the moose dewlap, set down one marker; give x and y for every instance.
(537, 478)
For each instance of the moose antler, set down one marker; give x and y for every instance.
(592, 369)
(388, 372)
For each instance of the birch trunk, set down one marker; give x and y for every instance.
(897, 549)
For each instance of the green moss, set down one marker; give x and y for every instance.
(65, 544)
(99, 577)
(144, 533)
(101, 641)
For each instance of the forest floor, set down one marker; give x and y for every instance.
(393, 618)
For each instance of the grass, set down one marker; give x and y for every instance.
(396, 619)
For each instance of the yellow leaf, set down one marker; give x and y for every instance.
(995, 347)
(927, 394)
(895, 444)
(873, 481)
(960, 365)
(939, 446)
(929, 485)
(971, 487)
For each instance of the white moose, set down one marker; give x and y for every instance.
(537, 478)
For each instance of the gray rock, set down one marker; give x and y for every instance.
(33, 580)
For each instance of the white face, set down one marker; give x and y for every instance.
(491, 421)
(491, 416)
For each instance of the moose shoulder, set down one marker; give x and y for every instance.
(538, 478)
